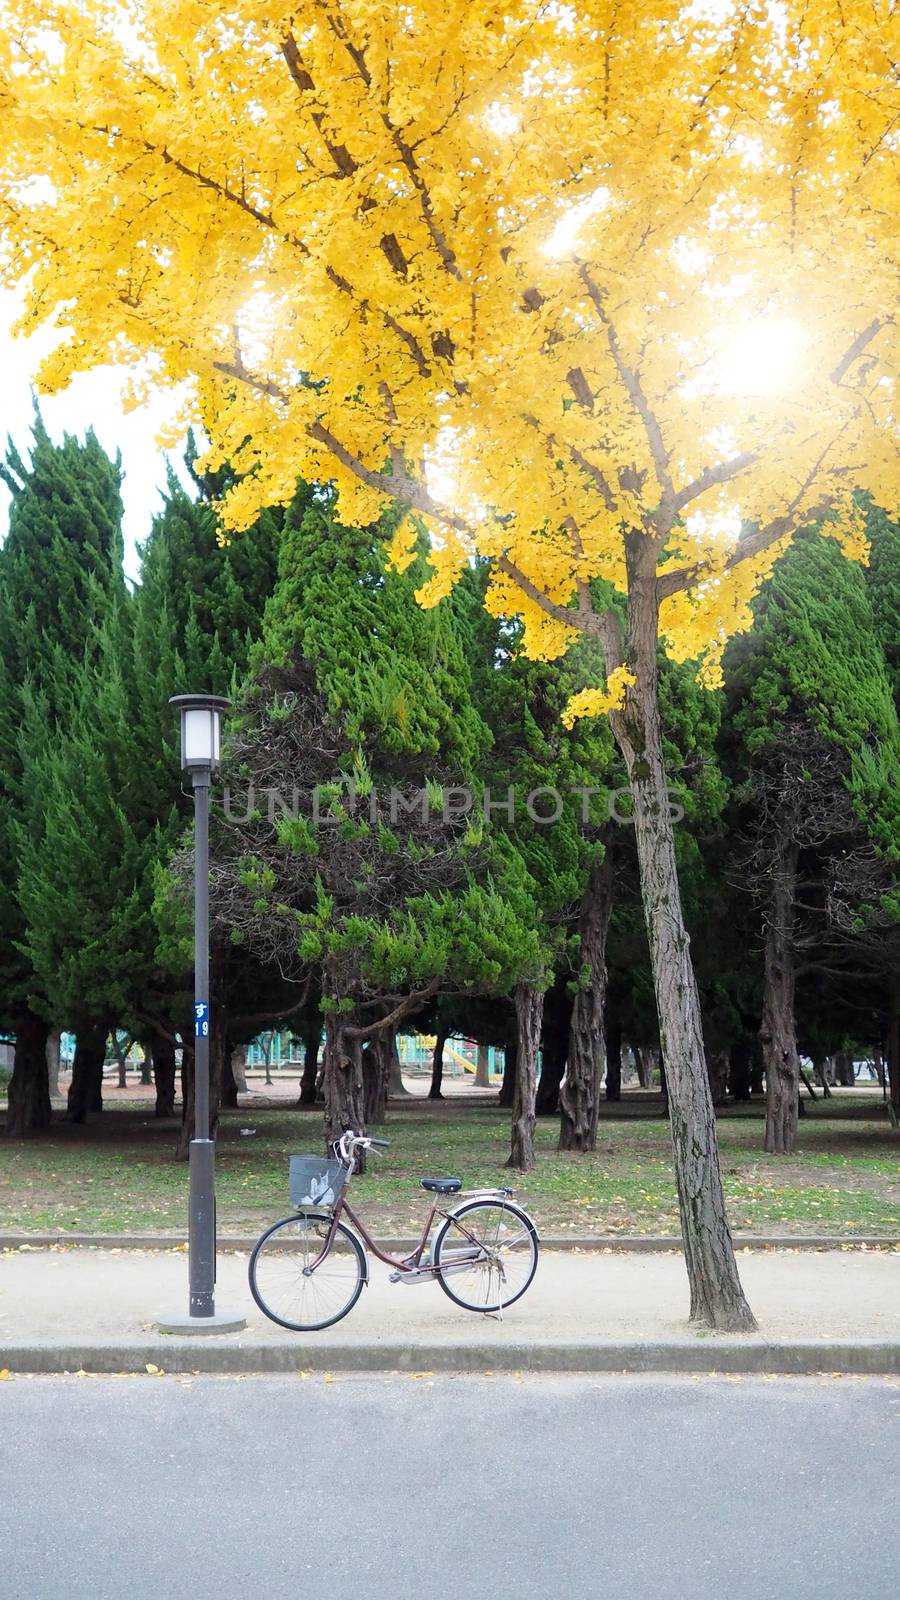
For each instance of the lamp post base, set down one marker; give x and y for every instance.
(219, 1322)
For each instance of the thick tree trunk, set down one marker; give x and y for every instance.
(345, 1105)
(757, 1070)
(86, 1088)
(267, 1058)
(376, 1070)
(395, 1084)
(53, 1062)
(228, 1092)
(508, 1086)
(483, 1067)
(311, 1040)
(162, 1052)
(821, 1075)
(554, 1048)
(739, 1057)
(28, 1096)
(613, 1060)
(778, 1032)
(239, 1067)
(717, 1299)
(529, 1007)
(579, 1099)
(437, 1066)
(121, 1061)
(643, 1062)
(843, 1067)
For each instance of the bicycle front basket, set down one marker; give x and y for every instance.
(315, 1181)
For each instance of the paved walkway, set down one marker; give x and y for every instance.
(93, 1306)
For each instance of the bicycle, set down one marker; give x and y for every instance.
(308, 1270)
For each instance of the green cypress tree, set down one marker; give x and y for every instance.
(192, 619)
(809, 702)
(577, 863)
(549, 788)
(879, 915)
(381, 897)
(61, 571)
(883, 578)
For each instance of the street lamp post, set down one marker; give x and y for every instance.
(200, 745)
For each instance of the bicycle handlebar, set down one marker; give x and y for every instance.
(349, 1141)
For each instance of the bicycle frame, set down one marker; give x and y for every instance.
(411, 1263)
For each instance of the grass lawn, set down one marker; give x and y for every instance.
(118, 1173)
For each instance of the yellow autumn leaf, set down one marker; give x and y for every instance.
(423, 262)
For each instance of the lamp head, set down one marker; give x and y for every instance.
(201, 717)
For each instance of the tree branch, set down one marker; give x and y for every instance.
(410, 1003)
(552, 444)
(357, 56)
(711, 476)
(578, 618)
(752, 545)
(261, 1019)
(339, 153)
(857, 347)
(635, 393)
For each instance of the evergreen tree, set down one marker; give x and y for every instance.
(809, 703)
(583, 865)
(84, 863)
(549, 794)
(883, 579)
(383, 886)
(61, 571)
(193, 618)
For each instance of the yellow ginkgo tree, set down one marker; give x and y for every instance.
(602, 291)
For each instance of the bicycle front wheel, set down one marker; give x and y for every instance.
(287, 1288)
(486, 1254)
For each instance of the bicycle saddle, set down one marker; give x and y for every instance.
(441, 1185)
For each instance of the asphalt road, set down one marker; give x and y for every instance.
(410, 1488)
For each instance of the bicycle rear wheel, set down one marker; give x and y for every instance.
(286, 1288)
(486, 1254)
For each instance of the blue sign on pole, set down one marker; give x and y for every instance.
(201, 1019)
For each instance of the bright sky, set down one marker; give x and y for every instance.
(92, 400)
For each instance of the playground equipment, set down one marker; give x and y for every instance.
(460, 1055)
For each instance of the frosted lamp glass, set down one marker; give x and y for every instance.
(201, 741)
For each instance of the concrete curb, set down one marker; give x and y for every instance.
(708, 1355)
(627, 1243)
